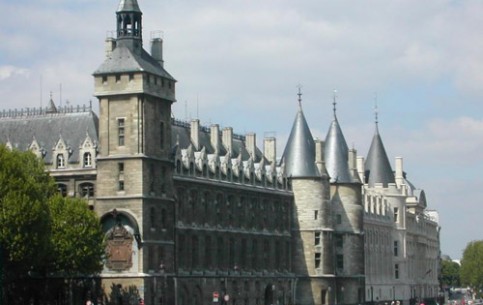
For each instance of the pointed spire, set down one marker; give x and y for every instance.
(128, 6)
(299, 154)
(51, 108)
(377, 166)
(336, 151)
(300, 96)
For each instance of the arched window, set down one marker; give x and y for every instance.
(87, 159)
(86, 189)
(62, 189)
(60, 161)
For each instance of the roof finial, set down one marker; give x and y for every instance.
(375, 108)
(300, 95)
(335, 101)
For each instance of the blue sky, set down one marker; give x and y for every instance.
(238, 63)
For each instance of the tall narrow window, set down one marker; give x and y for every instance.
(62, 189)
(339, 241)
(396, 271)
(317, 260)
(339, 219)
(396, 214)
(316, 214)
(340, 262)
(87, 159)
(396, 248)
(161, 135)
(120, 169)
(60, 161)
(317, 238)
(120, 131)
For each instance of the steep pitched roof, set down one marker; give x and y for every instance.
(299, 154)
(47, 129)
(377, 166)
(124, 60)
(128, 6)
(336, 154)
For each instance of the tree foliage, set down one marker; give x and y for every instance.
(450, 273)
(42, 233)
(472, 265)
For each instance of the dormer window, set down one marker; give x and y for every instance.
(87, 159)
(60, 161)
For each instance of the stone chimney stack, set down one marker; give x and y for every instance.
(157, 50)
(215, 137)
(399, 172)
(227, 138)
(195, 133)
(353, 164)
(251, 145)
(110, 46)
(270, 149)
(319, 157)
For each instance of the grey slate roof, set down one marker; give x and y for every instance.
(47, 129)
(128, 6)
(180, 135)
(299, 153)
(336, 154)
(123, 60)
(377, 166)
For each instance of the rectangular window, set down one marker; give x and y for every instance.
(339, 262)
(396, 248)
(317, 238)
(316, 214)
(121, 185)
(339, 241)
(396, 271)
(120, 167)
(339, 219)
(317, 260)
(120, 131)
(396, 214)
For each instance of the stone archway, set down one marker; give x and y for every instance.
(269, 295)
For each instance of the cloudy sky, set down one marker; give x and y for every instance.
(239, 62)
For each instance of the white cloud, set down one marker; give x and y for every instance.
(11, 71)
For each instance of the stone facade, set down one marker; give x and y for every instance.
(200, 215)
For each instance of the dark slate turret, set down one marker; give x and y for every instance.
(377, 166)
(299, 154)
(336, 153)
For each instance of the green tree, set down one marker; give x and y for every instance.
(450, 273)
(24, 214)
(472, 265)
(41, 233)
(77, 237)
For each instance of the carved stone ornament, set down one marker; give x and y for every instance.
(119, 249)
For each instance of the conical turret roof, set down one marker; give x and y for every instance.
(336, 154)
(378, 168)
(299, 154)
(128, 6)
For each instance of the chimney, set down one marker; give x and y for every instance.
(319, 157)
(270, 149)
(361, 169)
(110, 46)
(157, 50)
(215, 137)
(399, 172)
(227, 138)
(353, 165)
(195, 133)
(250, 144)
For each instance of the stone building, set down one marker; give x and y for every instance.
(200, 215)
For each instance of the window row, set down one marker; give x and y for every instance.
(233, 210)
(85, 190)
(216, 252)
(271, 181)
(61, 160)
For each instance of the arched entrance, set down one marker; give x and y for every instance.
(269, 292)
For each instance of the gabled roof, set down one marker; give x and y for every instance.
(377, 166)
(299, 154)
(336, 154)
(47, 129)
(123, 60)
